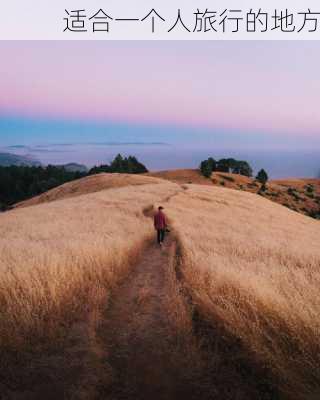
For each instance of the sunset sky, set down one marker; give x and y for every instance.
(235, 95)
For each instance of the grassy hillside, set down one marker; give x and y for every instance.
(60, 258)
(301, 195)
(253, 266)
(248, 265)
(181, 176)
(89, 184)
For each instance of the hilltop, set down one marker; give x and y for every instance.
(19, 183)
(181, 176)
(301, 195)
(89, 184)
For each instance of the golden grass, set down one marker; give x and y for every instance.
(59, 260)
(277, 191)
(181, 176)
(250, 264)
(297, 183)
(255, 266)
(89, 184)
(300, 200)
(194, 176)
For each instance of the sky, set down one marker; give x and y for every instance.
(235, 97)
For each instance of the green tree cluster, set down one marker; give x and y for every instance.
(225, 165)
(262, 177)
(19, 183)
(122, 165)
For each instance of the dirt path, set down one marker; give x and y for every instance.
(150, 344)
(149, 358)
(156, 351)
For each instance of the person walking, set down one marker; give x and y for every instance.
(160, 225)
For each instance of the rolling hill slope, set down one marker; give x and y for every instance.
(301, 195)
(89, 184)
(254, 267)
(249, 267)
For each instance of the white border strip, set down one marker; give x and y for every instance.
(133, 20)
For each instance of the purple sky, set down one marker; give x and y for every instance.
(227, 95)
(256, 86)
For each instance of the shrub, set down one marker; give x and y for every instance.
(262, 177)
(292, 192)
(205, 169)
(309, 188)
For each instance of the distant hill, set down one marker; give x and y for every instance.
(74, 167)
(8, 159)
(89, 184)
(301, 195)
(19, 181)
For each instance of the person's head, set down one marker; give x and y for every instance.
(160, 208)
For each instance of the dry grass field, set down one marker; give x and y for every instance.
(89, 184)
(255, 266)
(181, 176)
(301, 195)
(248, 265)
(59, 258)
(59, 263)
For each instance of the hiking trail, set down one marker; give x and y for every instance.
(159, 349)
(142, 338)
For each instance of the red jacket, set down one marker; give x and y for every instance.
(159, 220)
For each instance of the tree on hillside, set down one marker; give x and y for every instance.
(205, 169)
(243, 168)
(225, 165)
(133, 166)
(19, 183)
(212, 163)
(122, 165)
(262, 177)
(118, 164)
(232, 163)
(99, 169)
(228, 165)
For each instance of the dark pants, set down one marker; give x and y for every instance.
(160, 235)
